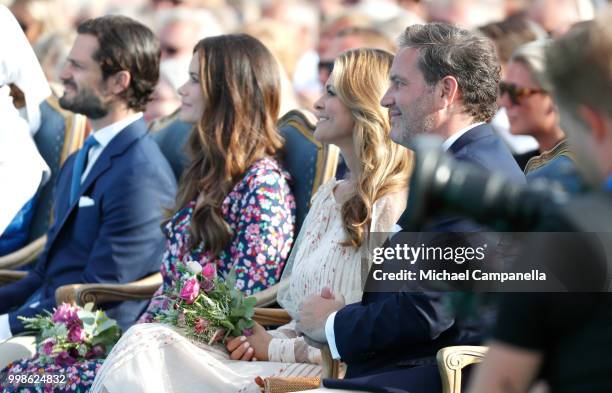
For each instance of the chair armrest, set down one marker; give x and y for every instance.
(267, 297)
(451, 360)
(24, 255)
(271, 316)
(81, 294)
(9, 276)
(330, 368)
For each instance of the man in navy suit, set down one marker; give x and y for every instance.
(444, 81)
(110, 195)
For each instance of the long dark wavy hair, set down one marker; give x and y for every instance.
(240, 83)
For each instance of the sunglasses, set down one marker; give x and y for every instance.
(516, 93)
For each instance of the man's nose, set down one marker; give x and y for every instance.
(387, 100)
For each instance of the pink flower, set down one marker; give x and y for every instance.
(48, 347)
(64, 359)
(207, 285)
(67, 314)
(76, 334)
(190, 290)
(209, 271)
(200, 325)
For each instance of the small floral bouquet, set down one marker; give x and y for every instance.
(73, 334)
(206, 307)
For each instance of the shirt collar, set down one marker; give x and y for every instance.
(106, 134)
(453, 138)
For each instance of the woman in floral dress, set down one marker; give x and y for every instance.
(331, 251)
(234, 206)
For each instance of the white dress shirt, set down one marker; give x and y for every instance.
(104, 136)
(329, 323)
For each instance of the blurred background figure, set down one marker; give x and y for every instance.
(165, 98)
(526, 93)
(302, 20)
(465, 13)
(22, 169)
(331, 27)
(51, 51)
(181, 28)
(351, 38)
(507, 35)
(276, 36)
(557, 16)
(38, 18)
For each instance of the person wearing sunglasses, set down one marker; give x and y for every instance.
(525, 93)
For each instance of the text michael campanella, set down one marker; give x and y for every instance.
(411, 255)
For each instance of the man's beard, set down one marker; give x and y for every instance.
(86, 103)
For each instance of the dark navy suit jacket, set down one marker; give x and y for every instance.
(115, 240)
(388, 335)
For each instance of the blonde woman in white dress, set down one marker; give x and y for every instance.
(329, 252)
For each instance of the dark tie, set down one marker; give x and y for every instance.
(79, 166)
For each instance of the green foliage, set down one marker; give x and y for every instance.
(97, 328)
(222, 308)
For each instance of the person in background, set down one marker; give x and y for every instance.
(508, 35)
(165, 99)
(181, 28)
(557, 16)
(38, 18)
(526, 95)
(22, 170)
(51, 51)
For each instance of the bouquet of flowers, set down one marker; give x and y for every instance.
(72, 334)
(206, 307)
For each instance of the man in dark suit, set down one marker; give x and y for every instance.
(110, 195)
(444, 81)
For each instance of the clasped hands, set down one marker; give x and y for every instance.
(314, 313)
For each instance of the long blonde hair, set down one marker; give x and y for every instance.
(360, 78)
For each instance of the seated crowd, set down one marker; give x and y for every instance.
(121, 212)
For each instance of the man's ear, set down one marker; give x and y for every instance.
(447, 92)
(595, 121)
(120, 82)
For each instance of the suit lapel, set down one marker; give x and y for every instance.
(470, 136)
(117, 146)
(467, 138)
